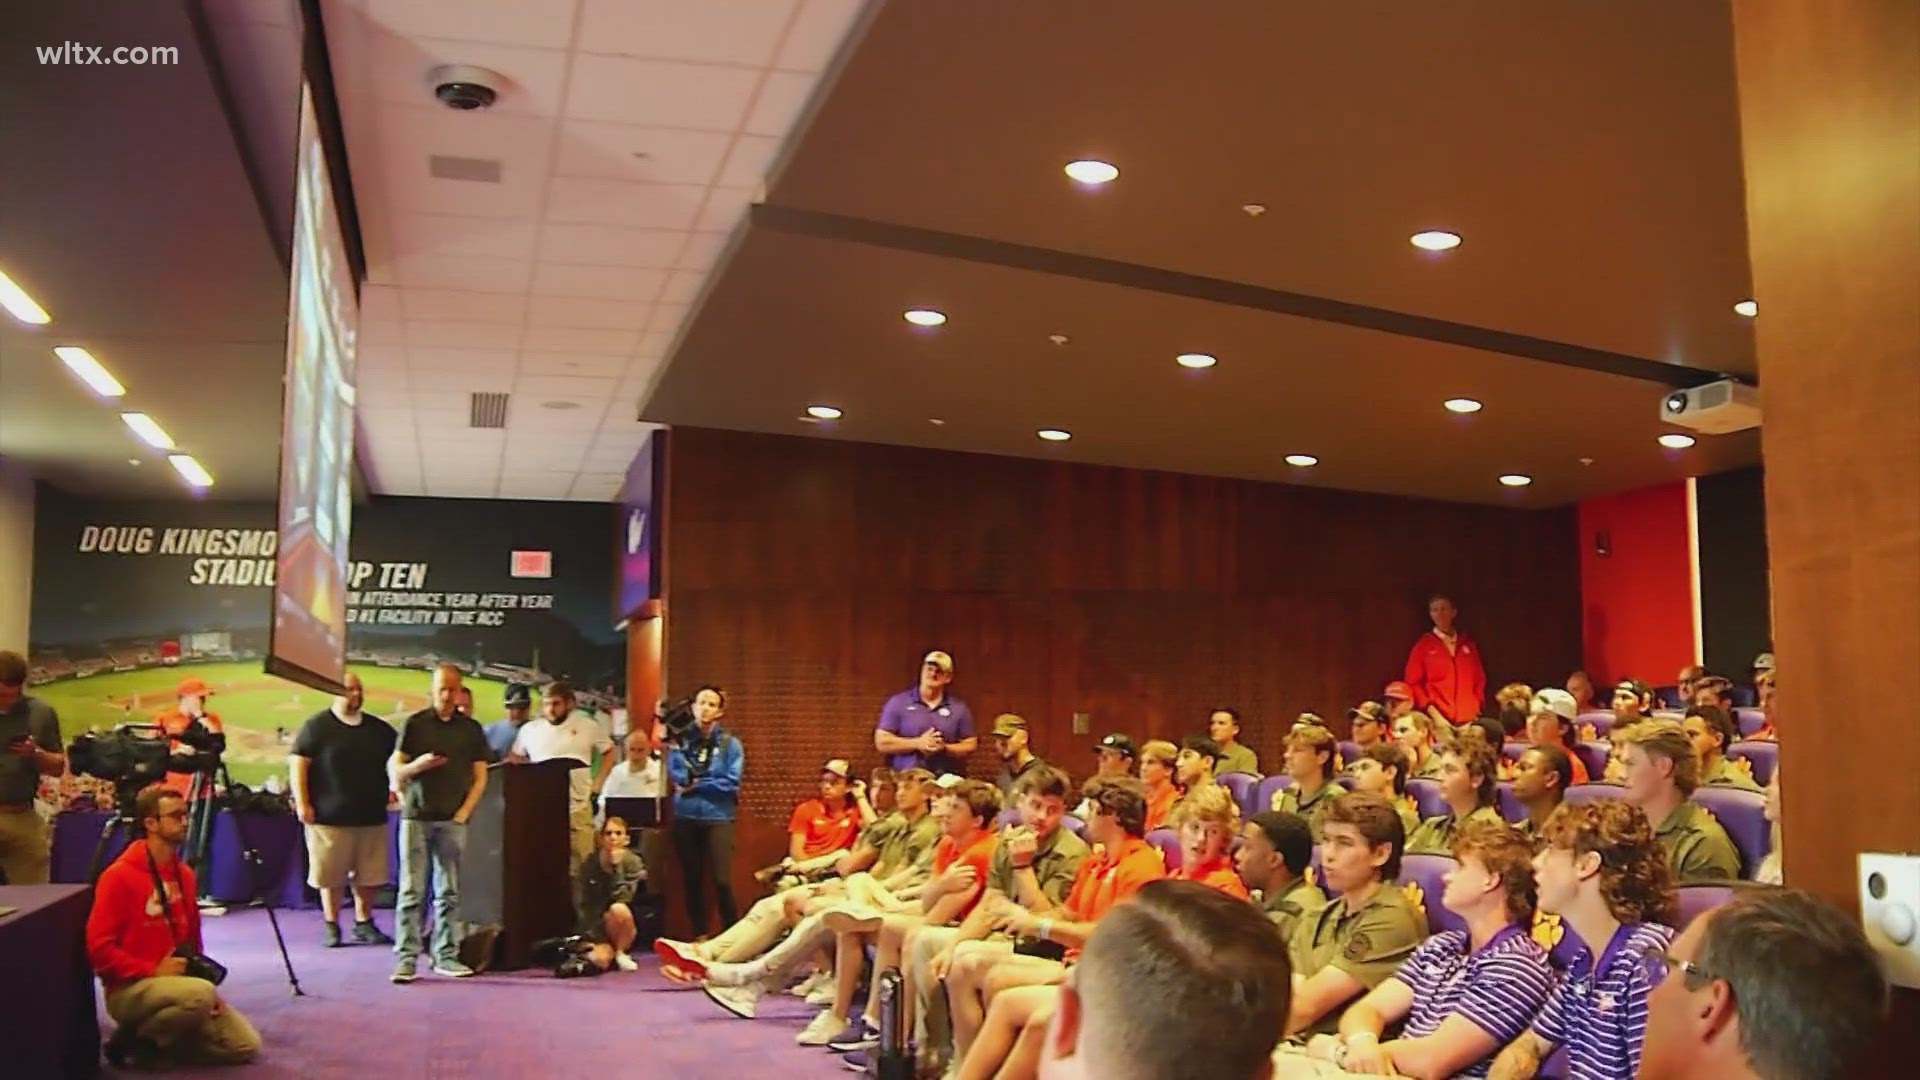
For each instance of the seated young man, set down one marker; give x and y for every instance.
(1369, 724)
(1157, 769)
(1415, 733)
(1464, 994)
(1660, 771)
(1123, 864)
(1275, 852)
(1467, 783)
(1312, 758)
(1194, 767)
(1358, 941)
(1550, 723)
(1115, 756)
(1603, 872)
(1711, 731)
(1207, 819)
(1381, 769)
(1540, 783)
(821, 830)
(961, 865)
(165, 1016)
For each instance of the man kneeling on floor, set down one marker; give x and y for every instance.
(143, 924)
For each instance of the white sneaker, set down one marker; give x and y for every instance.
(624, 962)
(741, 1001)
(821, 1028)
(824, 995)
(749, 974)
(811, 985)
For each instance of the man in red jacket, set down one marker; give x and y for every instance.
(165, 1017)
(1444, 667)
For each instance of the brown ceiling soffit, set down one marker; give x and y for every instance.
(976, 249)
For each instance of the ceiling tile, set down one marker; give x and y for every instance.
(429, 359)
(379, 303)
(748, 161)
(654, 344)
(702, 251)
(573, 364)
(606, 245)
(410, 137)
(380, 333)
(597, 282)
(778, 106)
(816, 35)
(568, 386)
(453, 234)
(467, 272)
(723, 210)
(588, 314)
(545, 23)
(682, 286)
(715, 31)
(574, 339)
(460, 304)
(460, 335)
(398, 73)
(660, 93)
(653, 155)
(613, 202)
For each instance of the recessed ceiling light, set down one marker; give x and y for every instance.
(1055, 434)
(1092, 172)
(1673, 440)
(1749, 308)
(84, 365)
(1516, 480)
(1302, 461)
(150, 433)
(1462, 405)
(19, 304)
(823, 412)
(133, 461)
(1435, 240)
(190, 470)
(937, 422)
(1196, 360)
(925, 317)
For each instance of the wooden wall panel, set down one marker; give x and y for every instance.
(809, 577)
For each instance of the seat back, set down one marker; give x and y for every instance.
(1744, 815)
(1512, 750)
(1744, 695)
(1349, 752)
(1074, 824)
(1510, 807)
(1697, 900)
(1009, 816)
(1760, 756)
(1586, 793)
(1592, 726)
(1427, 800)
(1594, 756)
(1268, 788)
(1422, 876)
(1344, 781)
(1750, 721)
(1167, 843)
(1242, 787)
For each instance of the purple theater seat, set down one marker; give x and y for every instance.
(1074, 824)
(1586, 793)
(1426, 872)
(1590, 726)
(1242, 787)
(1009, 816)
(1594, 756)
(1744, 695)
(1666, 697)
(1427, 800)
(1744, 815)
(1697, 900)
(1349, 752)
(1271, 786)
(1512, 750)
(1760, 756)
(1344, 781)
(1749, 721)
(1510, 807)
(1167, 842)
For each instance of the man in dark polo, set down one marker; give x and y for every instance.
(29, 749)
(440, 769)
(1016, 760)
(926, 728)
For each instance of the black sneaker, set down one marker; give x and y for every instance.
(575, 967)
(365, 933)
(331, 937)
(550, 951)
(126, 1050)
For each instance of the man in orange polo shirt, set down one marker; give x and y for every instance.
(1157, 764)
(820, 829)
(1207, 820)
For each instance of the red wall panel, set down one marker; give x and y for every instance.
(1637, 601)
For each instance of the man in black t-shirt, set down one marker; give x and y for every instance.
(339, 771)
(439, 768)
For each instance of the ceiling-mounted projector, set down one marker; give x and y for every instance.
(1716, 408)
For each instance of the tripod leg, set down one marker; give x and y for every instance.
(251, 856)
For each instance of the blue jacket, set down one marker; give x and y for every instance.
(716, 795)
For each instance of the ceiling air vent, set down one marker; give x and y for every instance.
(489, 411)
(445, 167)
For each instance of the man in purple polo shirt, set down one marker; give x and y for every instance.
(924, 728)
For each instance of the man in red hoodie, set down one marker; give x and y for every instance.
(1444, 667)
(165, 1017)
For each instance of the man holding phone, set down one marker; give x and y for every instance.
(29, 749)
(439, 769)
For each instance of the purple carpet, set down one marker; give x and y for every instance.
(352, 1023)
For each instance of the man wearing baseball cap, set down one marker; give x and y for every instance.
(1117, 756)
(1550, 720)
(518, 702)
(1370, 724)
(190, 709)
(923, 727)
(820, 829)
(1399, 698)
(1016, 759)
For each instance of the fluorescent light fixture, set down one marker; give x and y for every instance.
(1516, 480)
(1092, 172)
(150, 433)
(190, 470)
(1749, 308)
(925, 317)
(1462, 405)
(1435, 240)
(1055, 434)
(823, 412)
(19, 304)
(1673, 440)
(1196, 360)
(1302, 461)
(84, 365)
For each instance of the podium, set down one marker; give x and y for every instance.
(517, 870)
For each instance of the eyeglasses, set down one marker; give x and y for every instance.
(1658, 963)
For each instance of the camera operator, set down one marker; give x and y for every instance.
(29, 749)
(139, 935)
(339, 772)
(196, 787)
(705, 768)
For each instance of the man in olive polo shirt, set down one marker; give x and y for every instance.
(1016, 759)
(1311, 758)
(1275, 852)
(1357, 942)
(1712, 731)
(1223, 727)
(1414, 731)
(29, 749)
(1660, 771)
(1194, 766)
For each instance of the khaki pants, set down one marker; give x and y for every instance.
(580, 834)
(177, 1013)
(24, 856)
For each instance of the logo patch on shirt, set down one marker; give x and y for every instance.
(944, 711)
(1358, 945)
(1605, 1002)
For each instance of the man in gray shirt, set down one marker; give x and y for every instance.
(439, 768)
(29, 749)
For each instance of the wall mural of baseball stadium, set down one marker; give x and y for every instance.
(132, 599)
